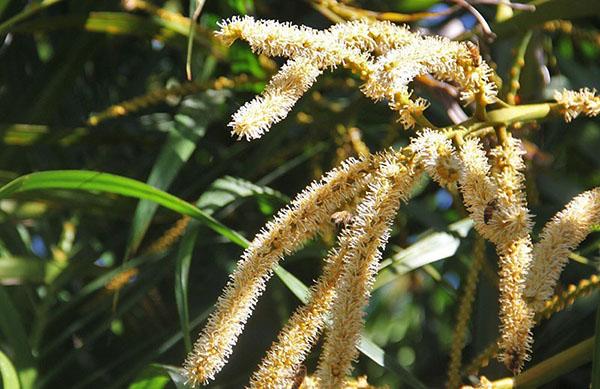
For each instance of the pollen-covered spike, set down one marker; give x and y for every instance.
(370, 231)
(303, 328)
(499, 209)
(435, 152)
(275, 39)
(292, 226)
(280, 95)
(386, 56)
(559, 238)
(477, 188)
(445, 60)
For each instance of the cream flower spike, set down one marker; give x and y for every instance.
(283, 91)
(574, 103)
(276, 39)
(292, 226)
(435, 152)
(445, 60)
(370, 232)
(387, 58)
(294, 342)
(559, 238)
(499, 209)
(478, 190)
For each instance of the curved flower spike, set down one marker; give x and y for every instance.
(370, 232)
(285, 234)
(276, 39)
(278, 368)
(515, 252)
(498, 207)
(559, 237)
(283, 91)
(386, 56)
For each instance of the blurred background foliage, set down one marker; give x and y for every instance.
(103, 290)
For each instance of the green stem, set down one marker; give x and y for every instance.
(502, 134)
(515, 71)
(521, 113)
(423, 122)
(507, 116)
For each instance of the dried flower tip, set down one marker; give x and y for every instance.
(560, 236)
(292, 226)
(574, 103)
(280, 95)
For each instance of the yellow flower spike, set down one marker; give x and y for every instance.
(280, 95)
(498, 208)
(386, 57)
(559, 237)
(370, 231)
(292, 226)
(275, 39)
(278, 368)
(516, 317)
(478, 190)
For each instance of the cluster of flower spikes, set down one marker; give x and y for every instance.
(386, 56)
(381, 181)
(492, 189)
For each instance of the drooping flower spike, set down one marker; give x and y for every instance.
(303, 328)
(292, 226)
(294, 342)
(370, 231)
(559, 238)
(514, 252)
(283, 91)
(494, 197)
